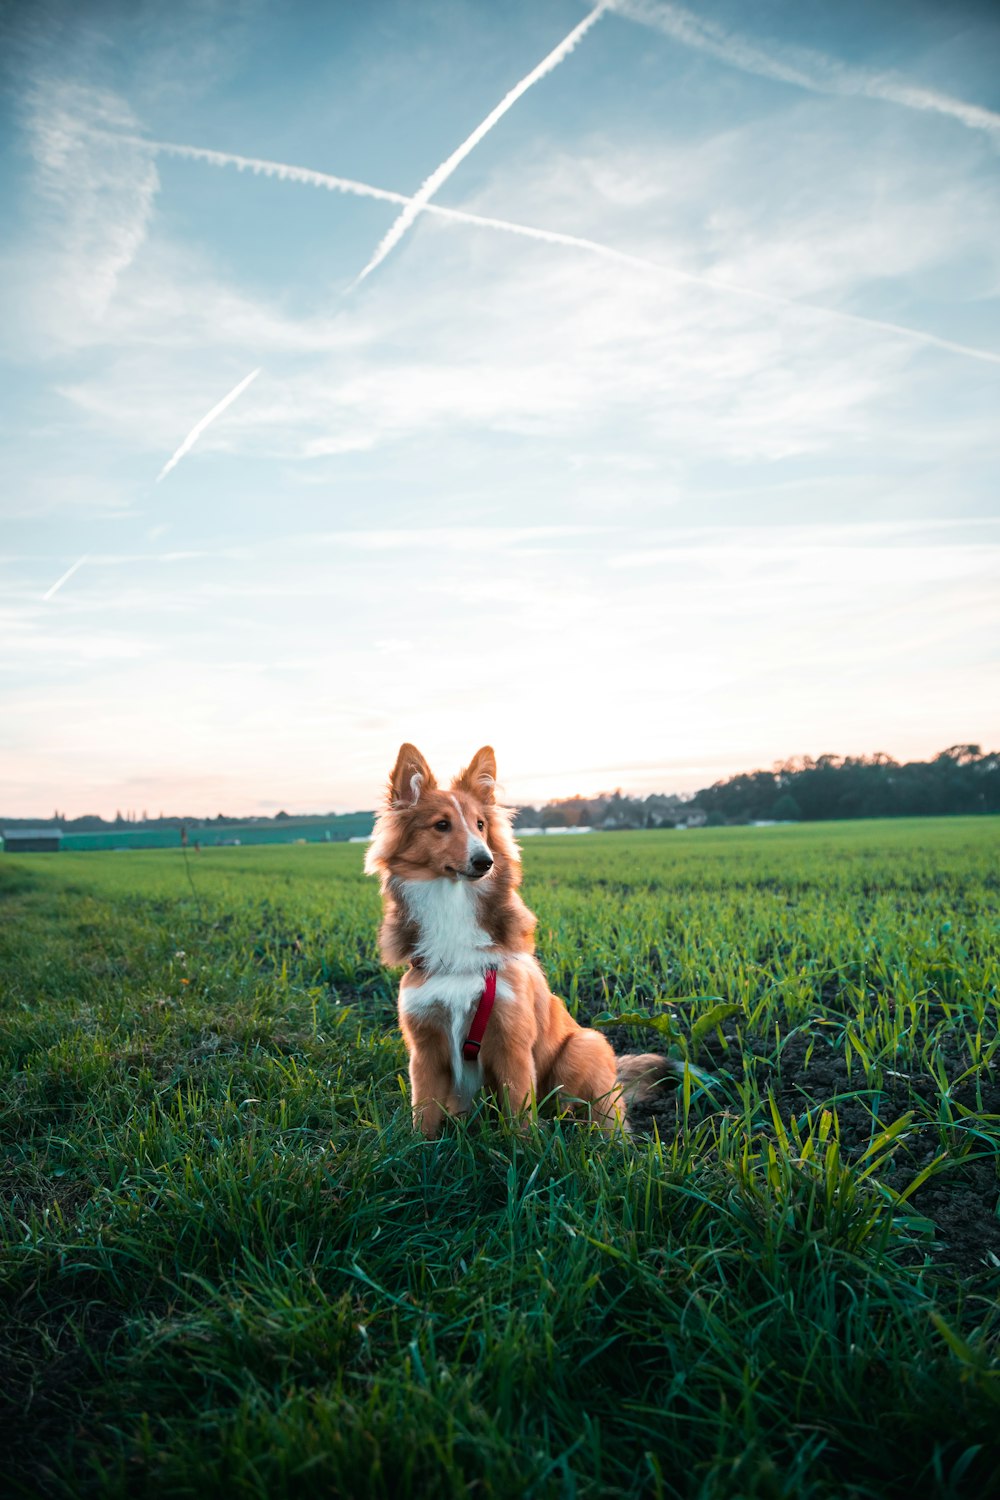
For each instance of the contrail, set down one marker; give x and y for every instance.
(259, 167)
(65, 578)
(430, 184)
(555, 237)
(206, 421)
(799, 66)
(712, 284)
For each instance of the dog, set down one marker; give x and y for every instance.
(474, 1007)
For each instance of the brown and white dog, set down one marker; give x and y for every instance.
(450, 869)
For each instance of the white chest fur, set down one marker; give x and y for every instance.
(447, 915)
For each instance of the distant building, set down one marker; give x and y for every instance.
(31, 840)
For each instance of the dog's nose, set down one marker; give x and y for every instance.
(481, 863)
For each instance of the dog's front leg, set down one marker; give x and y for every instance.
(513, 1083)
(430, 1084)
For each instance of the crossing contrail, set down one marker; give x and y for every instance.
(430, 184)
(286, 172)
(799, 66)
(206, 421)
(65, 578)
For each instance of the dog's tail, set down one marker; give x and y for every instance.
(641, 1074)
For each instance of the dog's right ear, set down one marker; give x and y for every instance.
(411, 776)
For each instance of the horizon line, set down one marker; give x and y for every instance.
(774, 766)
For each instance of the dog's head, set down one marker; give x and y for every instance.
(424, 832)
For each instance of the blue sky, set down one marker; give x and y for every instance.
(716, 486)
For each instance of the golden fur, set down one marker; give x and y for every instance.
(450, 869)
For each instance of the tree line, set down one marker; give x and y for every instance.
(961, 779)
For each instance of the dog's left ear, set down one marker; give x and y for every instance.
(480, 776)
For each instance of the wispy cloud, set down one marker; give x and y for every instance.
(440, 175)
(801, 67)
(97, 205)
(206, 421)
(286, 172)
(940, 540)
(64, 579)
(438, 539)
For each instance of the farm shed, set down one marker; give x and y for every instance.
(31, 840)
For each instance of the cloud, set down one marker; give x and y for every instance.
(495, 540)
(591, 247)
(800, 67)
(95, 204)
(562, 363)
(755, 642)
(440, 175)
(656, 366)
(653, 369)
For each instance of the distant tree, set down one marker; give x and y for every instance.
(583, 812)
(742, 798)
(962, 755)
(554, 817)
(786, 809)
(527, 817)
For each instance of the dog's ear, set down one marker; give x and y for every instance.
(479, 778)
(411, 775)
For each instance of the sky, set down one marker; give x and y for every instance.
(618, 386)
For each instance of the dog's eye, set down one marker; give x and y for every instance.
(480, 825)
(442, 825)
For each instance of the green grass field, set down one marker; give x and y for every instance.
(230, 1268)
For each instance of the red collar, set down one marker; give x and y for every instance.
(480, 1021)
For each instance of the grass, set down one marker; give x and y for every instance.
(229, 1267)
